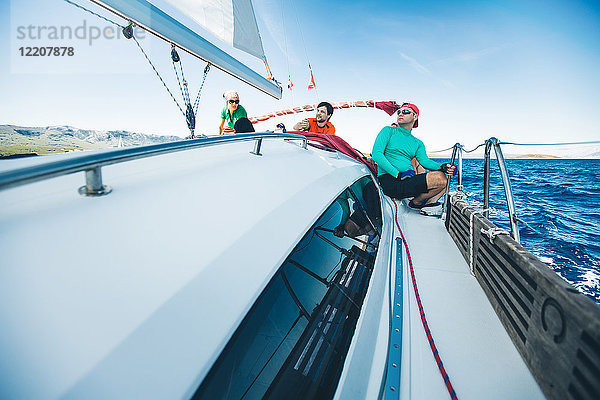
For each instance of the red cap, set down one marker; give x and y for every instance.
(415, 109)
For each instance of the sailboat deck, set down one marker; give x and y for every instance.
(105, 277)
(115, 275)
(476, 350)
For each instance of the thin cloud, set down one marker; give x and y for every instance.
(420, 68)
(416, 65)
(471, 56)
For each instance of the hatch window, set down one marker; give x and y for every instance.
(294, 340)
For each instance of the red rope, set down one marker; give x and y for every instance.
(434, 349)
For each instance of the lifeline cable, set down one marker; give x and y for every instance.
(522, 144)
(550, 144)
(432, 345)
(450, 148)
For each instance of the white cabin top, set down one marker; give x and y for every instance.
(88, 284)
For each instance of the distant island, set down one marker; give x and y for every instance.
(534, 156)
(572, 154)
(26, 141)
(507, 156)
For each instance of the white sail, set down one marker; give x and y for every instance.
(167, 27)
(232, 21)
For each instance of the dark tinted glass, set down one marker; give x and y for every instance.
(294, 340)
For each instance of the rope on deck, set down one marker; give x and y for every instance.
(432, 345)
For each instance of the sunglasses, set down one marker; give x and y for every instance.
(234, 102)
(405, 111)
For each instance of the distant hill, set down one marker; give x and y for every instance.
(530, 156)
(58, 139)
(578, 151)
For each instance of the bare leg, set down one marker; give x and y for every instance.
(417, 166)
(436, 184)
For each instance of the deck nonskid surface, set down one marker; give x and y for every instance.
(477, 352)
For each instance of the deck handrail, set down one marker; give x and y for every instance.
(92, 163)
(457, 150)
(510, 203)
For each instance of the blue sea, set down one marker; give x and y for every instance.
(559, 200)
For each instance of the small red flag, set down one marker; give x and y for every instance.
(290, 84)
(311, 84)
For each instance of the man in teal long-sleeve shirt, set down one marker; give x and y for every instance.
(393, 151)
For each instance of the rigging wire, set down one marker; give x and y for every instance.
(304, 45)
(197, 102)
(191, 111)
(158, 74)
(136, 42)
(183, 85)
(287, 57)
(93, 13)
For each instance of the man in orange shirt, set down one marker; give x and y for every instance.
(320, 124)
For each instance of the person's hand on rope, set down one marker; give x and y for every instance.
(448, 169)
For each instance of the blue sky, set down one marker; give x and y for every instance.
(524, 71)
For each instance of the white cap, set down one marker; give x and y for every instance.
(230, 94)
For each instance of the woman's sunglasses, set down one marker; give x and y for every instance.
(234, 102)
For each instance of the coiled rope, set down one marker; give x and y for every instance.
(432, 345)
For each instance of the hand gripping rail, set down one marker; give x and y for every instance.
(91, 164)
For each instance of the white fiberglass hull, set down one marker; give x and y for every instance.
(136, 294)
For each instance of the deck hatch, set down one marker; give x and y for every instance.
(294, 340)
(312, 368)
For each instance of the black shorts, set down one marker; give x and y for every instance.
(400, 189)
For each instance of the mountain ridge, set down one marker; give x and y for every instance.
(24, 140)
